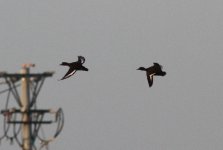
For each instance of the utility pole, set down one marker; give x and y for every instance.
(25, 101)
(30, 119)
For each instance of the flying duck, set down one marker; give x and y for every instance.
(155, 70)
(74, 66)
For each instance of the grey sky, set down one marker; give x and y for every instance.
(111, 107)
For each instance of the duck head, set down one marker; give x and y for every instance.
(142, 68)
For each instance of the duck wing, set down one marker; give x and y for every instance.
(81, 59)
(158, 66)
(150, 79)
(69, 73)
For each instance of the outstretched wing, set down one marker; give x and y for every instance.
(81, 59)
(69, 73)
(158, 65)
(150, 79)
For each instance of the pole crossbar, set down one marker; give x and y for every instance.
(30, 111)
(18, 75)
(30, 122)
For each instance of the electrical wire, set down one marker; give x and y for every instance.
(6, 90)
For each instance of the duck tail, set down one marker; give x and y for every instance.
(64, 64)
(84, 68)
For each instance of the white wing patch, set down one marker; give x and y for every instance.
(151, 76)
(71, 73)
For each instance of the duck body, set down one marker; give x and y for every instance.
(74, 66)
(155, 70)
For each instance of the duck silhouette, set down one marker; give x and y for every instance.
(74, 66)
(155, 70)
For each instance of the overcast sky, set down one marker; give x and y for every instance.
(111, 107)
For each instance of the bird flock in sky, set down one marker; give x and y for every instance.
(155, 70)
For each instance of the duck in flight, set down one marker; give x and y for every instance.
(155, 70)
(74, 66)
